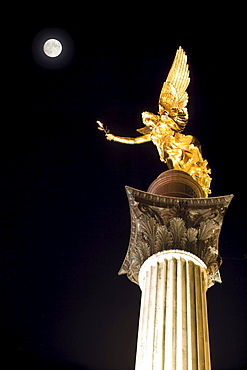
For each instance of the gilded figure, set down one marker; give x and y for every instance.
(178, 151)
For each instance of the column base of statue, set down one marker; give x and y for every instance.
(173, 255)
(173, 324)
(176, 183)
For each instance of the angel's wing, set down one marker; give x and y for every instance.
(173, 93)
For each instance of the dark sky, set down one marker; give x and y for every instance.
(65, 219)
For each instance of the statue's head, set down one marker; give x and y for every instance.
(150, 119)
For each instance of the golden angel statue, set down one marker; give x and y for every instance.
(178, 151)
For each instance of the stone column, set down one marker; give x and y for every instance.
(173, 255)
(173, 325)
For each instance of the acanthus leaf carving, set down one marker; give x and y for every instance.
(179, 232)
(138, 255)
(163, 239)
(192, 239)
(206, 229)
(148, 229)
(162, 223)
(153, 237)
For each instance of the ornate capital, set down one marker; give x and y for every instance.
(161, 223)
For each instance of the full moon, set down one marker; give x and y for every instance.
(52, 48)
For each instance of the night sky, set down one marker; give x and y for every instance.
(65, 220)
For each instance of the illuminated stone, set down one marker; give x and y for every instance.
(173, 255)
(173, 325)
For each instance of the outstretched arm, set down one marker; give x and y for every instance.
(125, 140)
(129, 140)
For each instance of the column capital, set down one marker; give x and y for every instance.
(161, 222)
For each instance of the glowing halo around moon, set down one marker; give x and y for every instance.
(52, 48)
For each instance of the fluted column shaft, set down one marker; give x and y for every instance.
(173, 325)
